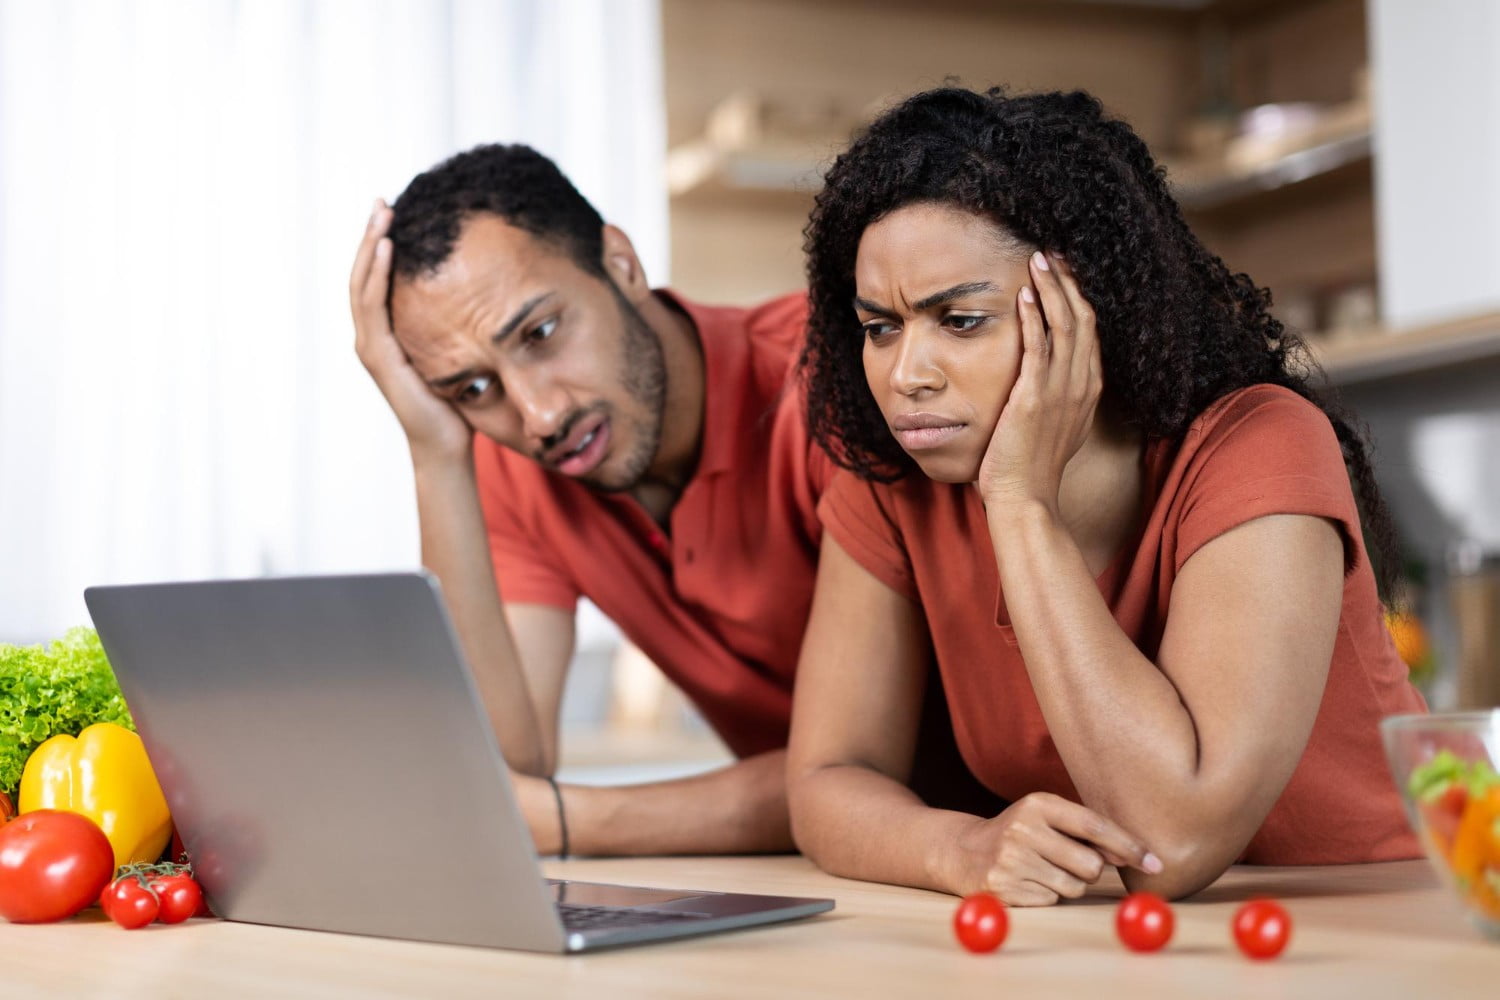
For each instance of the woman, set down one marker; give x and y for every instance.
(1084, 470)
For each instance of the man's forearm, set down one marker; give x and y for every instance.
(739, 809)
(455, 548)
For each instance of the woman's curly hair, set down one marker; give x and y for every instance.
(1177, 329)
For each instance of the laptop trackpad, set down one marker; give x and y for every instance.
(597, 894)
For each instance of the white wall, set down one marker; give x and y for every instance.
(182, 186)
(1436, 80)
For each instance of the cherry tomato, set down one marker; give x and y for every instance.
(176, 853)
(7, 808)
(1144, 922)
(1262, 928)
(1444, 813)
(981, 923)
(52, 864)
(179, 895)
(129, 904)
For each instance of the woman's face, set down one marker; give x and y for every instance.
(936, 292)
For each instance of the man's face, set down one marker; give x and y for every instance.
(538, 354)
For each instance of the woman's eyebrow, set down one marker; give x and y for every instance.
(935, 299)
(956, 292)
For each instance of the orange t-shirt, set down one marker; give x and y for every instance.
(721, 600)
(1259, 451)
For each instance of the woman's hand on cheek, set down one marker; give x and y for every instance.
(1051, 407)
(1044, 848)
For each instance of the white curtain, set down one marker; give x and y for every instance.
(182, 185)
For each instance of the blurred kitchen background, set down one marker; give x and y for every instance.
(182, 185)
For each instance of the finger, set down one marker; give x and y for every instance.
(1027, 893)
(1021, 886)
(1056, 309)
(375, 228)
(1085, 321)
(1076, 859)
(1056, 879)
(1035, 350)
(1084, 824)
(372, 322)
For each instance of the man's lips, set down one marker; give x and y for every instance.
(581, 440)
(920, 431)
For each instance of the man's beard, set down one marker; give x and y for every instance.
(643, 375)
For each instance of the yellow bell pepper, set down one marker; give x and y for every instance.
(103, 774)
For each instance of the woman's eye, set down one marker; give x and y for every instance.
(876, 330)
(474, 390)
(542, 331)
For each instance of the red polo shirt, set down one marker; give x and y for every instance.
(1259, 451)
(720, 602)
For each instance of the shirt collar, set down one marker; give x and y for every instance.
(727, 379)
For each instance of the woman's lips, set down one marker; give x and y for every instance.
(922, 438)
(920, 431)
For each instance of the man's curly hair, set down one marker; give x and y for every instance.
(515, 182)
(1177, 329)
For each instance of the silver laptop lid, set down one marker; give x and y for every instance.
(320, 742)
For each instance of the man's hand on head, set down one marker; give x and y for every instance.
(433, 427)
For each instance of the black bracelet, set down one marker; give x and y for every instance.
(562, 818)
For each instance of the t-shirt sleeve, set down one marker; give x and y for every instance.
(859, 516)
(527, 570)
(1270, 452)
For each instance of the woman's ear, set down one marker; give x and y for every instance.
(623, 266)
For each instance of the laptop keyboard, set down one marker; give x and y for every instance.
(577, 917)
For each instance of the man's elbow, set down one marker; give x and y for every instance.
(532, 761)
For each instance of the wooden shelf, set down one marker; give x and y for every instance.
(1379, 354)
(1321, 158)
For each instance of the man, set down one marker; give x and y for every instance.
(575, 433)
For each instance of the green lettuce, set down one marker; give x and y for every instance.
(46, 690)
(1446, 768)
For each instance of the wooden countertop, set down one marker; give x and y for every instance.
(1365, 931)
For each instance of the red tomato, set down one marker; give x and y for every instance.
(52, 864)
(1262, 928)
(1144, 922)
(7, 808)
(1443, 813)
(179, 895)
(176, 853)
(980, 923)
(130, 904)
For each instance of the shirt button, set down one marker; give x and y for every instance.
(688, 555)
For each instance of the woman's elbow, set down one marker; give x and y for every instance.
(1190, 863)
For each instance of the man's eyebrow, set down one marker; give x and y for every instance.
(935, 299)
(451, 380)
(519, 316)
(506, 329)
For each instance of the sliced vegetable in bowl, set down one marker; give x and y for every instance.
(1445, 766)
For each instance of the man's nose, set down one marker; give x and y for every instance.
(916, 368)
(542, 407)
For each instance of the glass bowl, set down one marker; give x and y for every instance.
(1445, 766)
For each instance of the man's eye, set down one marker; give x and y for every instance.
(474, 390)
(964, 324)
(542, 331)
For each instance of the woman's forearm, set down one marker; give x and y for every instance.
(1129, 743)
(857, 823)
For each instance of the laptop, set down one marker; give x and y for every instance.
(329, 766)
